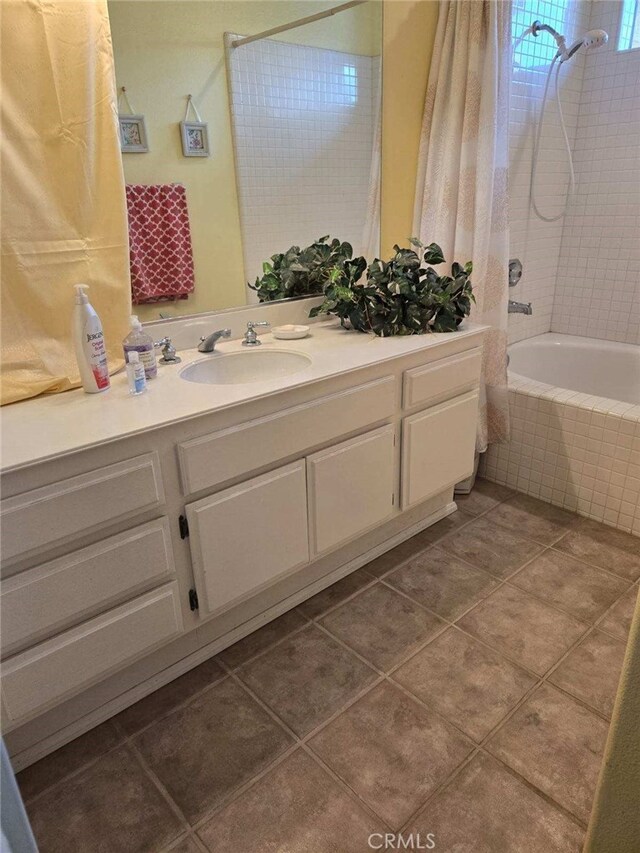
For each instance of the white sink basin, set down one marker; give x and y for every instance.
(240, 368)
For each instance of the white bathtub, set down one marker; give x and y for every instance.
(598, 368)
(574, 406)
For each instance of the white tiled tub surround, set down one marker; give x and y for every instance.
(535, 242)
(303, 122)
(598, 284)
(571, 449)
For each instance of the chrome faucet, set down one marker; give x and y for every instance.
(519, 307)
(208, 344)
(250, 336)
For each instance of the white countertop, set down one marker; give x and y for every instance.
(57, 424)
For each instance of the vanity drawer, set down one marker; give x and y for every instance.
(229, 453)
(58, 668)
(448, 377)
(55, 595)
(55, 513)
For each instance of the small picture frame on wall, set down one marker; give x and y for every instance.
(195, 138)
(133, 134)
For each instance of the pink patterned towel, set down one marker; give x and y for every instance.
(159, 243)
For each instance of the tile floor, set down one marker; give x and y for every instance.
(459, 685)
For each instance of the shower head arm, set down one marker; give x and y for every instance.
(538, 26)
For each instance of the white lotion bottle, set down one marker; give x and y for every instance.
(88, 339)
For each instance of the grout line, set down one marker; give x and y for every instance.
(153, 778)
(178, 707)
(298, 742)
(262, 652)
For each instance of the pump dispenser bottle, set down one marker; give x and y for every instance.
(88, 340)
(139, 341)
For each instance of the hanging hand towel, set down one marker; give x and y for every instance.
(159, 243)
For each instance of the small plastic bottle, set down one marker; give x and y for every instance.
(142, 343)
(135, 373)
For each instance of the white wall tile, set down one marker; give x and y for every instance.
(303, 122)
(535, 242)
(598, 284)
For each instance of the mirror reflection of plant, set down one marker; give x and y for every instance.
(300, 272)
(399, 296)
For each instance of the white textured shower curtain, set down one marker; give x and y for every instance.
(461, 191)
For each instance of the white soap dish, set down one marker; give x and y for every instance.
(290, 332)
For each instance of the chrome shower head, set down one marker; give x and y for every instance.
(592, 39)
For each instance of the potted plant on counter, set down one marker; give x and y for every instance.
(399, 296)
(301, 272)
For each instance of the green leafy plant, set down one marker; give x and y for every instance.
(399, 296)
(301, 272)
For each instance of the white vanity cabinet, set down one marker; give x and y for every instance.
(130, 560)
(248, 536)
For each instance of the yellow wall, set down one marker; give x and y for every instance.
(409, 28)
(166, 49)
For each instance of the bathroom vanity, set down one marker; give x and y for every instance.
(142, 535)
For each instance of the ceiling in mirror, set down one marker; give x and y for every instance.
(279, 146)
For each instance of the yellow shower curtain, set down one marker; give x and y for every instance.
(63, 207)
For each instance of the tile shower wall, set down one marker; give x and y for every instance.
(303, 122)
(598, 283)
(535, 242)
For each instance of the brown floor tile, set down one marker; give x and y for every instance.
(335, 594)
(391, 751)
(442, 583)
(187, 845)
(296, 808)
(484, 496)
(491, 547)
(111, 806)
(571, 585)
(557, 745)
(533, 519)
(262, 639)
(382, 625)
(605, 547)
(69, 758)
(487, 810)
(204, 751)
(446, 525)
(592, 671)
(400, 554)
(466, 682)
(525, 629)
(161, 701)
(618, 619)
(307, 678)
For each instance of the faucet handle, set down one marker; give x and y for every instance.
(250, 336)
(168, 352)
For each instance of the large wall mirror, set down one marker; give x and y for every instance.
(293, 127)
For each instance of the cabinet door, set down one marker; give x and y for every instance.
(438, 447)
(350, 488)
(244, 538)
